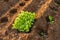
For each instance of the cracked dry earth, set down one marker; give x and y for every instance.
(9, 10)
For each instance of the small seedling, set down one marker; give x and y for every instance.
(24, 21)
(50, 19)
(41, 33)
(57, 2)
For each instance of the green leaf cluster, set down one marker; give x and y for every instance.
(23, 21)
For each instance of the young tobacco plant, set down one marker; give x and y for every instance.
(41, 33)
(51, 19)
(24, 21)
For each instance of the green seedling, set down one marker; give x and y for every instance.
(41, 33)
(50, 19)
(24, 21)
(57, 3)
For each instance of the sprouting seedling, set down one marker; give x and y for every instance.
(50, 19)
(57, 2)
(41, 33)
(24, 21)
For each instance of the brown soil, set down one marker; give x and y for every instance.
(9, 10)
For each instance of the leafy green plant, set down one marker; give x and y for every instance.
(50, 19)
(24, 21)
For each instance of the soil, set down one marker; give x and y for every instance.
(9, 10)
